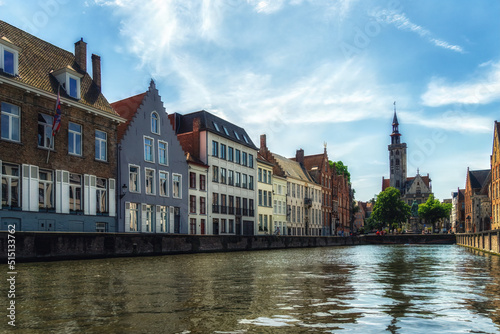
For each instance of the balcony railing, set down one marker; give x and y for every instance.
(215, 208)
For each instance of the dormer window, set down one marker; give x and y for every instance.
(155, 128)
(9, 57)
(70, 80)
(216, 126)
(236, 134)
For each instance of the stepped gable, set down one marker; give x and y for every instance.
(127, 108)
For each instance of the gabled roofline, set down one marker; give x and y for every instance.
(64, 101)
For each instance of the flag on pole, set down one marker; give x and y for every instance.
(57, 117)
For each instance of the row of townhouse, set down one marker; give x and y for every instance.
(306, 191)
(477, 207)
(128, 166)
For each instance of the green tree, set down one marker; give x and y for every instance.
(390, 209)
(340, 168)
(433, 210)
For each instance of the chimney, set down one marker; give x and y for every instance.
(299, 156)
(96, 70)
(196, 124)
(81, 54)
(263, 143)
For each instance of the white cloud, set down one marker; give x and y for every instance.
(452, 120)
(482, 89)
(400, 21)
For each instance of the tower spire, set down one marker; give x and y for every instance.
(395, 119)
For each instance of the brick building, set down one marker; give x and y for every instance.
(344, 199)
(61, 183)
(495, 178)
(477, 201)
(323, 174)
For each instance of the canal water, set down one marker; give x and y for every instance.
(356, 289)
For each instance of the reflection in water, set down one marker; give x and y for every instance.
(361, 289)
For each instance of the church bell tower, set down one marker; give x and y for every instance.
(397, 157)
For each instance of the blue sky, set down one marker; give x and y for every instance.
(305, 72)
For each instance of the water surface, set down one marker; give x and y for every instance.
(356, 289)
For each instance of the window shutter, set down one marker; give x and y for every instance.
(92, 195)
(158, 218)
(30, 188)
(127, 216)
(112, 198)
(143, 218)
(86, 194)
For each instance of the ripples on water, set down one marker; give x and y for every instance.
(361, 289)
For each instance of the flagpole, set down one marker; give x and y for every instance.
(58, 106)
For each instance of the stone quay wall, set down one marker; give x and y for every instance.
(48, 246)
(487, 241)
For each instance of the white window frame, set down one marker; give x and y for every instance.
(157, 118)
(47, 133)
(152, 147)
(160, 178)
(138, 190)
(100, 191)
(152, 182)
(48, 186)
(73, 187)
(15, 53)
(160, 152)
(75, 134)
(11, 117)
(101, 141)
(173, 185)
(70, 77)
(9, 180)
(132, 210)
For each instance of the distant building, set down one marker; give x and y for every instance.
(344, 200)
(323, 174)
(279, 205)
(265, 195)
(457, 215)
(417, 188)
(359, 216)
(303, 195)
(230, 155)
(495, 178)
(61, 183)
(197, 191)
(153, 172)
(477, 201)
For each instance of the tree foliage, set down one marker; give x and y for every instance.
(390, 209)
(340, 168)
(432, 210)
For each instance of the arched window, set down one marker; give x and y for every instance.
(397, 162)
(155, 123)
(397, 152)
